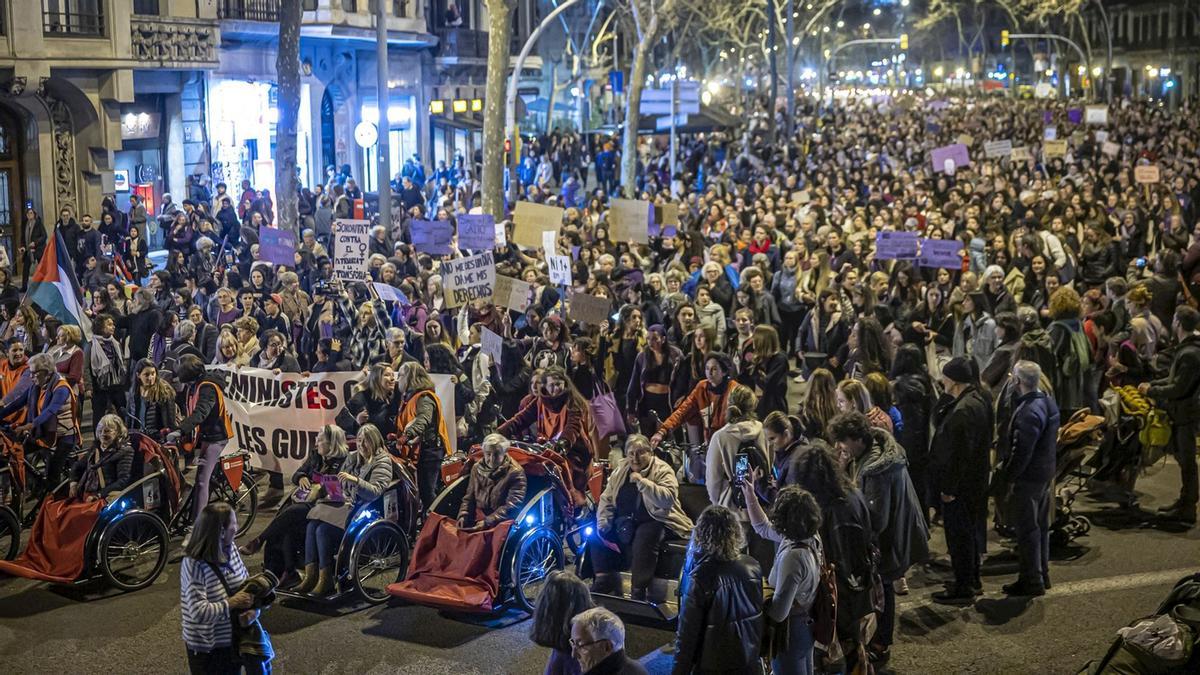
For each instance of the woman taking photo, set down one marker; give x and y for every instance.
(720, 623)
(562, 599)
(365, 474)
(793, 525)
(283, 537)
(638, 509)
(210, 564)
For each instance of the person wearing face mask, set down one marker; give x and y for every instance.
(705, 405)
(558, 412)
(638, 509)
(421, 422)
(495, 490)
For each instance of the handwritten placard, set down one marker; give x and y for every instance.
(491, 343)
(944, 253)
(896, 245)
(588, 309)
(629, 220)
(351, 242)
(467, 279)
(531, 220)
(1021, 154)
(1147, 174)
(560, 269)
(1109, 148)
(512, 293)
(277, 246)
(432, 236)
(1052, 149)
(476, 232)
(994, 149)
(1097, 115)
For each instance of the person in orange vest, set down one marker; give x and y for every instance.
(15, 382)
(51, 415)
(207, 424)
(420, 421)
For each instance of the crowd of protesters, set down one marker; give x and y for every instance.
(928, 393)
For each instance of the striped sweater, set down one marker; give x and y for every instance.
(203, 601)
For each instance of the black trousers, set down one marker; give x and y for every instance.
(791, 327)
(57, 458)
(220, 661)
(962, 541)
(283, 538)
(1029, 511)
(762, 550)
(428, 474)
(640, 556)
(1183, 446)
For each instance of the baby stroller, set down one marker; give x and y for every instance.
(1078, 441)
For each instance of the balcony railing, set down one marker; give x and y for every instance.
(462, 43)
(249, 10)
(73, 18)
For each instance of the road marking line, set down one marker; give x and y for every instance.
(1097, 585)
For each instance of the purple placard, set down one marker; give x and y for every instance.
(433, 236)
(957, 152)
(277, 246)
(938, 104)
(896, 245)
(477, 232)
(1075, 115)
(1047, 117)
(946, 253)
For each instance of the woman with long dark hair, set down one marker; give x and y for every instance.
(767, 373)
(211, 565)
(867, 349)
(649, 391)
(564, 597)
(820, 403)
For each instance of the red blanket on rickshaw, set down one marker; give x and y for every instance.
(55, 552)
(453, 569)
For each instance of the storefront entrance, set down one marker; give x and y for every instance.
(12, 205)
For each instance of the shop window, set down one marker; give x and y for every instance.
(73, 18)
(149, 7)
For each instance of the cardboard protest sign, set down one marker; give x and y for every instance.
(956, 153)
(476, 232)
(945, 253)
(467, 279)
(351, 244)
(665, 221)
(896, 245)
(491, 343)
(1147, 174)
(1097, 114)
(1111, 149)
(629, 220)
(560, 269)
(391, 293)
(994, 149)
(432, 236)
(966, 139)
(1052, 149)
(277, 246)
(277, 418)
(512, 293)
(1021, 154)
(531, 220)
(589, 309)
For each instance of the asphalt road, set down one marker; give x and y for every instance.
(1117, 573)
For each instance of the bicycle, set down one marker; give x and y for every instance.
(26, 500)
(234, 470)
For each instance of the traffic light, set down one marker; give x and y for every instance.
(904, 41)
(1004, 38)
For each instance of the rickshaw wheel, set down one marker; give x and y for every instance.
(133, 550)
(378, 557)
(244, 501)
(10, 533)
(538, 553)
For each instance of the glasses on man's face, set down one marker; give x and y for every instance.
(580, 646)
(275, 343)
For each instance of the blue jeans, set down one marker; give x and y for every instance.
(1030, 518)
(321, 541)
(798, 658)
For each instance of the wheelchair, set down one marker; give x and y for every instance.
(505, 566)
(376, 546)
(123, 541)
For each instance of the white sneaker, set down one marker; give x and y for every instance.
(799, 379)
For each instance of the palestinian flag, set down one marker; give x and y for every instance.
(54, 288)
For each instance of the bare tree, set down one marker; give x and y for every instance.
(287, 63)
(499, 37)
(648, 18)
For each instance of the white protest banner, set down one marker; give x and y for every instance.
(1111, 149)
(993, 149)
(629, 220)
(276, 418)
(351, 242)
(560, 269)
(467, 279)
(1096, 114)
(512, 293)
(491, 343)
(531, 220)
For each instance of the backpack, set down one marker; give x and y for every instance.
(857, 572)
(1078, 356)
(824, 608)
(757, 459)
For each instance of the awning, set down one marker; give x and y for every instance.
(709, 119)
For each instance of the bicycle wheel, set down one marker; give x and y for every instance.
(244, 500)
(133, 550)
(10, 534)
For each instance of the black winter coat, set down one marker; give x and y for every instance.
(961, 442)
(720, 617)
(1177, 393)
(914, 399)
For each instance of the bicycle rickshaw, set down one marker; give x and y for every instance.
(123, 540)
(376, 546)
(506, 565)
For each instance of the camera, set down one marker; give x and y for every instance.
(322, 288)
(741, 470)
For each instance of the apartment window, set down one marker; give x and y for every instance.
(73, 18)
(145, 7)
(249, 10)
(400, 8)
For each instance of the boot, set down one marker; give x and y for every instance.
(608, 583)
(310, 579)
(324, 583)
